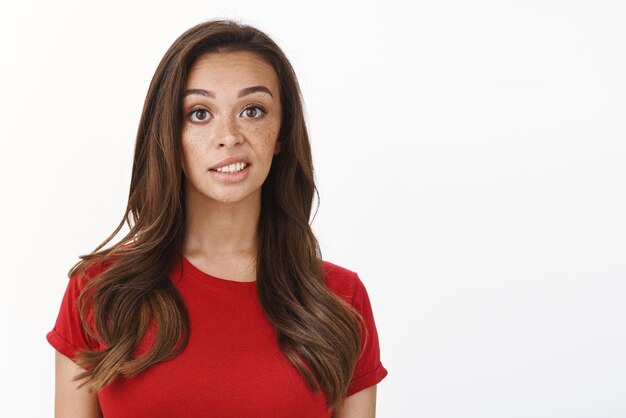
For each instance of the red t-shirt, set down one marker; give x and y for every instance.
(232, 365)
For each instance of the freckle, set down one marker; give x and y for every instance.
(268, 131)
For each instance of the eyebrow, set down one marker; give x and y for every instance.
(242, 92)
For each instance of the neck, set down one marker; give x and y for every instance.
(221, 228)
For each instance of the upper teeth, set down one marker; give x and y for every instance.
(232, 168)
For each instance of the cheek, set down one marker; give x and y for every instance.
(264, 137)
(190, 147)
(192, 139)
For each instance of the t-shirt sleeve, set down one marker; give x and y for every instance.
(68, 334)
(369, 369)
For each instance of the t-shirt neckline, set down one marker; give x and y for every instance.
(198, 274)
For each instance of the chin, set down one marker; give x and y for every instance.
(230, 198)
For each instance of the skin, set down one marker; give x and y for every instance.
(70, 401)
(359, 405)
(221, 231)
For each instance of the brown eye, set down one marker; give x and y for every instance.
(255, 112)
(201, 115)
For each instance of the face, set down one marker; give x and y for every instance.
(231, 109)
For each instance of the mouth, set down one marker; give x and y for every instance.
(233, 173)
(231, 168)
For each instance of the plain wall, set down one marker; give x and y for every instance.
(470, 158)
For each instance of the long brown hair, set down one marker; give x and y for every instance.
(318, 331)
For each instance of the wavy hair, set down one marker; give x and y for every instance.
(316, 330)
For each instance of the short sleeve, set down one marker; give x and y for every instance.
(369, 369)
(68, 334)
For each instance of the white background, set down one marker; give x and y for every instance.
(470, 158)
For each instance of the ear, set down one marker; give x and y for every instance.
(277, 147)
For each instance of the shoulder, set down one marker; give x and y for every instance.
(92, 269)
(88, 273)
(341, 280)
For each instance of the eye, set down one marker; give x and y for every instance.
(258, 112)
(201, 114)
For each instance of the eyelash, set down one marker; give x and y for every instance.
(261, 108)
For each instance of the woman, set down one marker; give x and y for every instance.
(217, 302)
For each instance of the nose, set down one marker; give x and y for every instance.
(228, 133)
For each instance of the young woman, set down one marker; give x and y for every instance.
(217, 302)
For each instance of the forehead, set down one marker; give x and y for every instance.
(230, 70)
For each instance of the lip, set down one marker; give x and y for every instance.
(237, 158)
(231, 178)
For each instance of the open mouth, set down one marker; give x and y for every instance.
(233, 173)
(232, 168)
